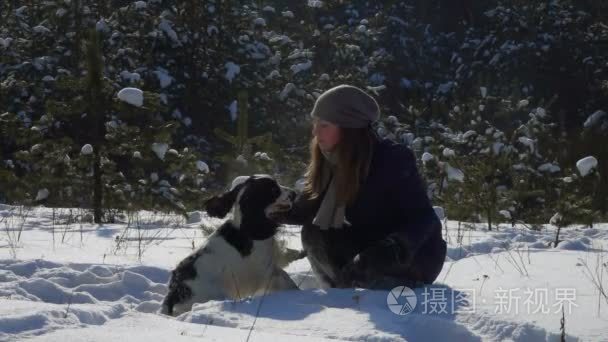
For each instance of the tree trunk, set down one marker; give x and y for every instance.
(489, 212)
(557, 237)
(96, 109)
(76, 55)
(97, 187)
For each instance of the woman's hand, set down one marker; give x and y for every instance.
(351, 275)
(368, 265)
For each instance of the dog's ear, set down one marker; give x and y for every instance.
(219, 206)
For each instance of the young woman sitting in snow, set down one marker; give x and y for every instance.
(366, 219)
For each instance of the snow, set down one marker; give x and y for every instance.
(427, 157)
(132, 77)
(132, 96)
(391, 119)
(140, 5)
(405, 83)
(41, 29)
(541, 112)
(231, 71)
(556, 219)
(468, 134)
(483, 91)
(287, 14)
(549, 167)
(296, 68)
(165, 26)
(86, 149)
(523, 104)
(232, 108)
(505, 284)
(163, 77)
(440, 212)
(211, 29)
(61, 12)
(289, 87)
(300, 184)
(262, 156)
(408, 138)
(173, 152)
(497, 147)
(586, 164)
(202, 166)
(594, 119)
(580, 244)
(19, 11)
(5, 42)
(528, 142)
(160, 149)
(102, 26)
(315, 3)
(506, 214)
(445, 88)
(454, 173)
(259, 22)
(300, 53)
(42, 194)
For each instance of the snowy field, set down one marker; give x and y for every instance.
(61, 280)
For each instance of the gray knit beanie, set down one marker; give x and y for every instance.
(346, 106)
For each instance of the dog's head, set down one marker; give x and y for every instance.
(253, 197)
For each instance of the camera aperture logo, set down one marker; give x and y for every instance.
(401, 300)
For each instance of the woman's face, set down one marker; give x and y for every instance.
(327, 134)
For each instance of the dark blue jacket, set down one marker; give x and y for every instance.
(393, 199)
(391, 211)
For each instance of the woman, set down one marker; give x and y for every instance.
(367, 221)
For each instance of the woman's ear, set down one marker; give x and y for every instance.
(219, 206)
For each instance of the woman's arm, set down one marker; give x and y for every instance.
(417, 219)
(415, 222)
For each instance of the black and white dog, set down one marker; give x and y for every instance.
(240, 258)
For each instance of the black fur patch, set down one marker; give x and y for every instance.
(237, 239)
(178, 291)
(259, 193)
(219, 206)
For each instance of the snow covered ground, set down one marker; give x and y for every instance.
(65, 281)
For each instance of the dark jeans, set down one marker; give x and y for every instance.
(328, 251)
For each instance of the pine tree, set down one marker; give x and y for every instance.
(97, 107)
(572, 205)
(594, 139)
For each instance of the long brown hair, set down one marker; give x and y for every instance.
(354, 151)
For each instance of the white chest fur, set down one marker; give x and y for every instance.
(228, 274)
